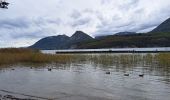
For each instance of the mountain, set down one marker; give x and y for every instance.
(127, 41)
(52, 42)
(158, 37)
(163, 27)
(79, 36)
(61, 41)
(116, 34)
(125, 33)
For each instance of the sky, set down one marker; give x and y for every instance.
(27, 21)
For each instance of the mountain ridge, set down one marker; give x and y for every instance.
(61, 41)
(163, 27)
(158, 37)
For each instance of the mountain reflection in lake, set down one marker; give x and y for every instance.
(84, 78)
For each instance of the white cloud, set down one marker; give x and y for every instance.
(26, 21)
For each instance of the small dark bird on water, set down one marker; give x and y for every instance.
(108, 73)
(141, 75)
(49, 69)
(126, 74)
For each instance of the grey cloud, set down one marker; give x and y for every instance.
(139, 19)
(55, 21)
(98, 17)
(22, 22)
(29, 35)
(105, 1)
(128, 5)
(75, 14)
(14, 23)
(81, 21)
(44, 21)
(26, 28)
(129, 26)
(146, 26)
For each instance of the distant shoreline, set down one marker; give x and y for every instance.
(77, 52)
(110, 50)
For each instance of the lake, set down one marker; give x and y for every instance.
(162, 49)
(86, 78)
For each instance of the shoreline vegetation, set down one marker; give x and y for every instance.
(23, 55)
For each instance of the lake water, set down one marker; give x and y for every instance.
(86, 79)
(111, 49)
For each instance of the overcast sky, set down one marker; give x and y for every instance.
(26, 21)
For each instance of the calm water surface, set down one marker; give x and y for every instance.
(112, 49)
(87, 80)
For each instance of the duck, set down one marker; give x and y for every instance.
(141, 75)
(126, 74)
(108, 73)
(49, 69)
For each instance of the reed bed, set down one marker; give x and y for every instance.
(164, 59)
(22, 55)
(14, 55)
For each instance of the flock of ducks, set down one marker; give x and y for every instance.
(126, 74)
(140, 75)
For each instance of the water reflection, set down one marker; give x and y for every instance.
(84, 77)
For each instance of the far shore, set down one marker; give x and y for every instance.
(109, 51)
(112, 50)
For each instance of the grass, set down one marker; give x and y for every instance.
(22, 55)
(164, 59)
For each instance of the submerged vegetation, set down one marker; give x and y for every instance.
(22, 55)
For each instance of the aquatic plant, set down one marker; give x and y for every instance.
(163, 59)
(22, 55)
